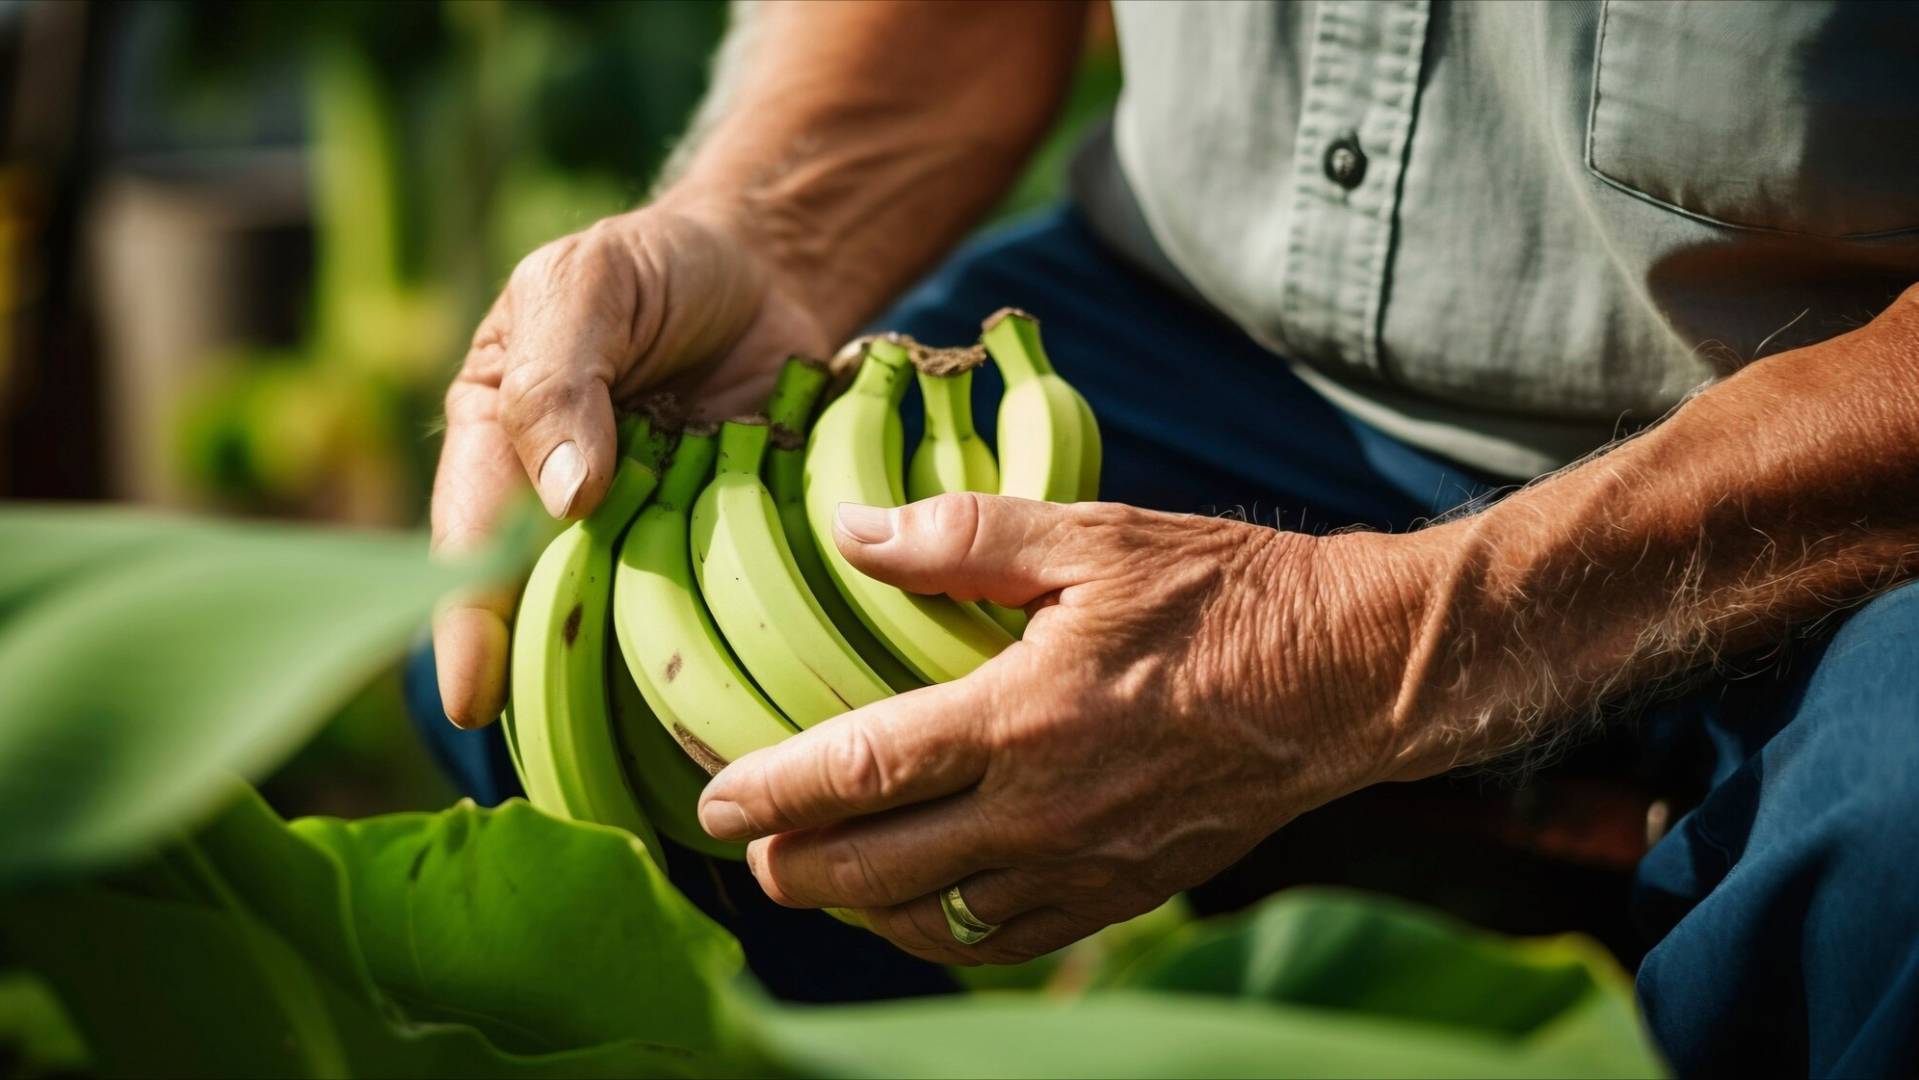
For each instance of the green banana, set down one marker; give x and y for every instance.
(556, 723)
(755, 591)
(674, 652)
(790, 411)
(666, 781)
(951, 456)
(855, 455)
(1049, 446)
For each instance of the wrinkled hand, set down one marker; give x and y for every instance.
(1186, 685)
(664, 295)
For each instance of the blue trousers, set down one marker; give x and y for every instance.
(1783, 911)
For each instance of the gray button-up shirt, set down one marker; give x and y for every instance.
(1507, 231)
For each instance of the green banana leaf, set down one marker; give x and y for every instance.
(509, 943)
(238, 952)
(1312, 983)
(146, 658)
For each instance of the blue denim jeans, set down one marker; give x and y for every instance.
(1785, 908)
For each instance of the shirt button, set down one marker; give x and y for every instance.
(1345, 162)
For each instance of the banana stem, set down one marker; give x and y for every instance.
(743, 444)
(949, 405)
(801, 382)
(636, 473)
(692, 464)
(1012, 336)
(883, 373)
(633, 429)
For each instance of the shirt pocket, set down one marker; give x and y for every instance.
(1786, 117)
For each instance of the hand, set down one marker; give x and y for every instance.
(1186, 685)
(665, 295)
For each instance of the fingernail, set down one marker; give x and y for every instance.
(561, 477)
(867, 524)
(724, 820)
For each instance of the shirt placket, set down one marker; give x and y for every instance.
(1362, 89)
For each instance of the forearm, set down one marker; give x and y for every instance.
(856, 141)
(1780, 494)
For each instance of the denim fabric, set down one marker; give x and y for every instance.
(1785, 907)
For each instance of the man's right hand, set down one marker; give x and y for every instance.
(664, 295)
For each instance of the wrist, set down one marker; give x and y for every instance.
(1375, 605)
(796, 256)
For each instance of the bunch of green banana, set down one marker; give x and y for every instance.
(855, 455)
(736, 617)
(684, 669)
(556, 720)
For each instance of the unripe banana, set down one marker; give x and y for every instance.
(672, 649)
(951, 456)
(790, 412)
(666, 781)
(855, 456)
(1049, 445)
(756, 593)
(556, 723)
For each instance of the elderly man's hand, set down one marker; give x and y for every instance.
(587, 322)
(1186, 686)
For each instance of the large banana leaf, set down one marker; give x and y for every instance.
(146, 657)
(238, 952)
(508, 943)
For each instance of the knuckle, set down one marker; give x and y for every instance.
(956, 521)
(852, 878)
(854, 772)
(531, 392)
(1089, 876)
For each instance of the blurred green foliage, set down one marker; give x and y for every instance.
(446, 140)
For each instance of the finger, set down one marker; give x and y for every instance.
(881, 860)
(478, 477)
(561, 359)
(995, 897)
(915, 746)
(1033, 935)
(920, 928)
(973, 547)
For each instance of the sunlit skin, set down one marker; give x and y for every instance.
(1186, 685)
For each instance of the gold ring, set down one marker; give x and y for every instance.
(966, 927)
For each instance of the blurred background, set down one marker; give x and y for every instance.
(243, 246)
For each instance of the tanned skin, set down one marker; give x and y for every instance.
(1186, 685)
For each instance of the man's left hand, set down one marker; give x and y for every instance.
(1185, 686)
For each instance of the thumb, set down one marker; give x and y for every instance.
(555, 401)
(970, 547)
